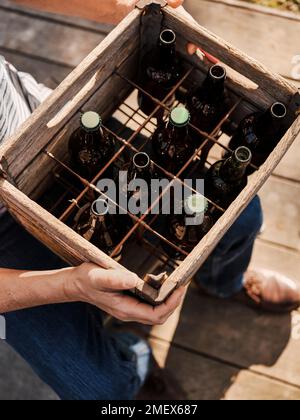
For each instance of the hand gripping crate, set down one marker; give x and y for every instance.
(31, 159)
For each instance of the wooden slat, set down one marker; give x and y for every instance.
(289, 167)
(30, 35)
(56, 235)
(112, 93)
(236, 59)
(76, 22)
(73, 92)
(231, 332)
(44, 72)
(280, 199)
(204, 379)
(196, 258)
(234, 21)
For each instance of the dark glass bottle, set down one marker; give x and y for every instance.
(160, 73)
(187, 229)
(207, 104)
(261, 132)
(96, 225)
(226, 179)
(172, 143)
(90, 147)
(140, 168)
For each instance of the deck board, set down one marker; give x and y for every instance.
(206, 379)
(30, 35)
(218, 350)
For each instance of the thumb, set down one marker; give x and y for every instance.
(113, 279)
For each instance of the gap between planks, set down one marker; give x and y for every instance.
(222, 361)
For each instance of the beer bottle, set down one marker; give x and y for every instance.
(90, 147)
(261, 132)
(140, 167)
(172, 143)
(226, 179)
(207, 104)
(160, 72)
(96, 225)
(187, 229)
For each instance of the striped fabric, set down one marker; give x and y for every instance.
(20, 94)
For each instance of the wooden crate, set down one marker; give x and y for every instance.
(102, 82)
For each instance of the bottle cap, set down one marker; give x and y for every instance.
(91, 120)
(197, 204)
(180, 116)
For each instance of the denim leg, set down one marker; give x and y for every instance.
(66, 344)
(222, 274)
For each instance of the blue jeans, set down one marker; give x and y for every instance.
(66, 344)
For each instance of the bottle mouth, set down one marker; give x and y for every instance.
(278, 110)
(141, 160)
(168, 36)
(217, 72)
(243, 154)
(99, 207)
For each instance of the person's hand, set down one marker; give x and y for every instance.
(103, 288)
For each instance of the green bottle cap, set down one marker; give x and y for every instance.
(180, 116)
(91, 120)
(197, 204)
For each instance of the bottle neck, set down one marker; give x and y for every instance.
(214, 83)
(141, 164)
(98, 212)
(178, 131)
(94, 132)
(167, 46)
(268, 123)
(234, 168)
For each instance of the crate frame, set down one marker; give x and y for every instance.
(26, 152)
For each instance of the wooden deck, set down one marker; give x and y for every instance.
(217, 349)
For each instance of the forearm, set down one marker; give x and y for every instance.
(26, 289)
(108, 11)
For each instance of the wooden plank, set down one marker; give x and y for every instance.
(289, 167)
(44, 72)
(56, 235)
(205, 379)
(72, 93)
(30, 35)
(200, 253)
(236, 59)
(91, 26)
(104, 101)
(280, 200)
(235, 334)
(235, 24)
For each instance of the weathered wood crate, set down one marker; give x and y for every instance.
(31, 159)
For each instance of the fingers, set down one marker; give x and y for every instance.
(128, 308)
(191, 48)
(175, 3)
(112, 280)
